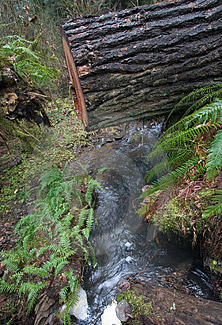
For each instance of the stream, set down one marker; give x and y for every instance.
(123, 243)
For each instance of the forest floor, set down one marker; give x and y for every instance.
(60, 144)
(20, 170)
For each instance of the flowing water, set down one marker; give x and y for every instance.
(123, 243)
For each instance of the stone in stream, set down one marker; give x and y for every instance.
(79, 309)
(109, 315)
(122, 310)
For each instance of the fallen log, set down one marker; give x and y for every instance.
(140, 62)
(172, 307)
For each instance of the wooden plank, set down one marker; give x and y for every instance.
(78, 97)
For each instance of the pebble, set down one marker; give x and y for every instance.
(122, 309)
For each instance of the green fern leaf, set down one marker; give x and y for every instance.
(101, 170)
(170, 178)
(216, 209)
(63, 293)
(214, 160)
(7, 287)
(194, 96)
(73, 283)
(60, 266)
(89, 223)
(31, 269)
(91, 185)
(82, 217)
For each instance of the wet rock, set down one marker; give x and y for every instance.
(109, 315)
(122, 310)
(79, 310)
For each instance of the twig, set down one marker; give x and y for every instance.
(23, 129)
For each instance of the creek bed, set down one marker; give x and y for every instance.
(125, 245)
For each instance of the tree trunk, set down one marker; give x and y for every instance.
(171, 307)
(140, 62)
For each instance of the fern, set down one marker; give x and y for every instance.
(170, 178)
(214, 160)
(195, 96)
(82, 217)
(31, 269)
(86, 231)
(27, 61)
(177, 143)
(73, 283)
(32, 289)
(49, 237)
(60, 266)
(63, 293)
(206, 99)
(91, 185)
(216, 209)
(189, 151)
(5, 286)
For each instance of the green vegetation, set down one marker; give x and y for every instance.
(49, 237)
(26, 59)
(54, 147)
(140, 304)
(185, 197)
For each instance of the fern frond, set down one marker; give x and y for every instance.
(101, 170)
(82, 217)
(64, 240)
(86, 231)
(73, 283)
(17, 277)
(91, 185)
(60, 266)
(12, 265)
(79, 240)
(216, 209)
(194, 96)
(31, 269)
(214, 160)
(42, 250)
(184, 131)
(174, 157)
(63, 293)
(170, 178)
(32, 289)
(207, 99)
(7, 287)
(33, 292)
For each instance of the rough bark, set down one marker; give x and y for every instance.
(171, 307)
(139, 62)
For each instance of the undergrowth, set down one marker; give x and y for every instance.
(59, 144)
(27, 60)
(140, 305)
(184, 190)
(50, 238)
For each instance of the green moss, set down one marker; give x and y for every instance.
(182, 220)
(140, 304)
(136, 137)
(53, 147)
